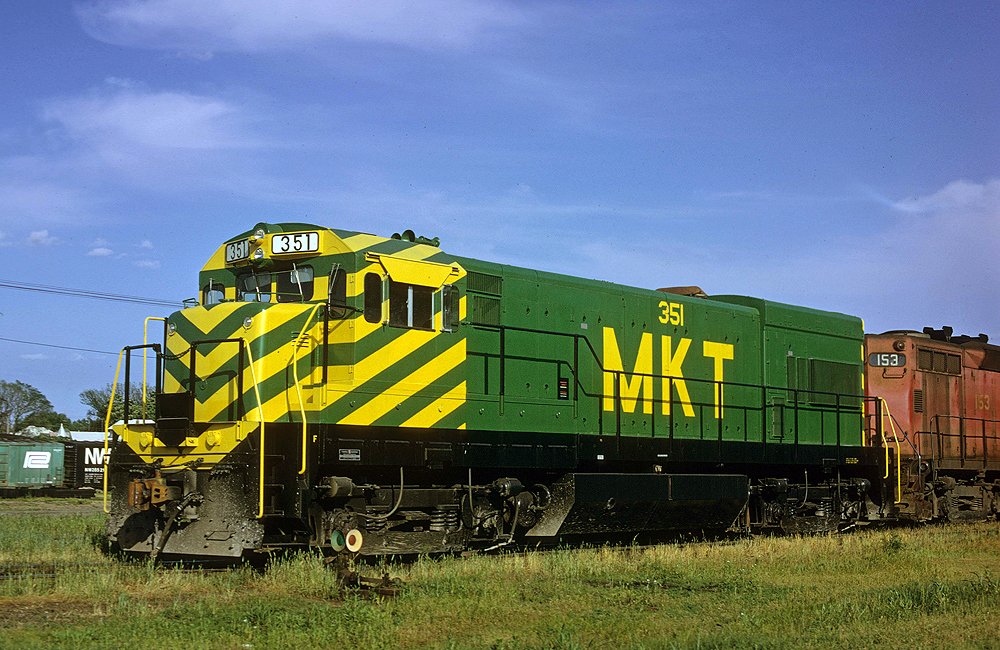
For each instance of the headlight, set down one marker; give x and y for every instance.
(258, 254)
(259, 235)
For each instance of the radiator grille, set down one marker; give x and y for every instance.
(484, 283)
(486, 310)
(918, 401)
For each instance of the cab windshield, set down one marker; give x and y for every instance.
(288, 285)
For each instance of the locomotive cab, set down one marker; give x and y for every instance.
(249, 375)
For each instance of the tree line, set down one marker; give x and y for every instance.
(23, 405)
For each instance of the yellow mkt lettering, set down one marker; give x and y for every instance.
(720, 352)
(629, 390)
(674, 374)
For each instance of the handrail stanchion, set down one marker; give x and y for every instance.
(107, 426)
(260, 418)
(298, 391)
(145, 342)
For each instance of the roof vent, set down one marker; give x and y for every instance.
(410, 236)
(947, 334)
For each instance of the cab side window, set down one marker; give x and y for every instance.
(338, 293)
(449, 308)
(373, 298)
(410, 305)
(213, 293)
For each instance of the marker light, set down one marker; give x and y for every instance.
(354, 540)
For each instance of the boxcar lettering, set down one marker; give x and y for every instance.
(93, 456)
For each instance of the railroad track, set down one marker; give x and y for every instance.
(349, 579)
(19, 571)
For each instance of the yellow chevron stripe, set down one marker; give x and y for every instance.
(275, 362)
(364, 370)
(434, 412)
(386, 355)
(362, 241)
(207, 320)
(418, 252)
(408, 386)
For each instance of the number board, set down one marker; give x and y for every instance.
(297, 242)
(887, 360)
(237, 250)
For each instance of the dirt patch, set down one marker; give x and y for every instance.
(14, 614)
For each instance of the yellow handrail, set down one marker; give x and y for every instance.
(145, 342)
(895, 439)
(107, 425)
(298, 391)
(260, 418)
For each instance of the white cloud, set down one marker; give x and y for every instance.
(121, 82)
(3, 240)
(961, 199)
(100, 252)
(934, 264)
(947, 244)
(41, 238)
(148, 264)
(160, 140)
(146, 244)
(34, 357)
(199, 27)
(114, 122)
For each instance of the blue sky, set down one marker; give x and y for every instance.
(841, 156)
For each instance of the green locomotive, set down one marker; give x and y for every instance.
(341, 390)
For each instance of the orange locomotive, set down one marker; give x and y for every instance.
(940, 407)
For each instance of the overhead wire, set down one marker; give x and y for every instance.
(61, 347)
(87, 293)
(80, 293)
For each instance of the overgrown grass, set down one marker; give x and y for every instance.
(934, 587)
